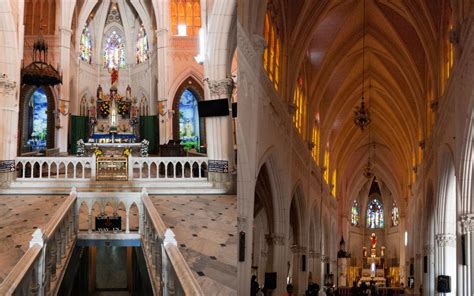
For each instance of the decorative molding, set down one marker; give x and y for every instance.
(275, 239)
(467, 223)
(428, 250)
(7, 86)
(296, 249)
(325, 258)
(220, 87)
(446, 239)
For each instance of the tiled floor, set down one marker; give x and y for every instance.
(205, 228)
(19, 217)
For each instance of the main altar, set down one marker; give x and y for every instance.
(113, 137)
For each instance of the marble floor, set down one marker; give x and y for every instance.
(206, 230)
(20, 215)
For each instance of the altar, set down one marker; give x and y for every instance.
(113, 121)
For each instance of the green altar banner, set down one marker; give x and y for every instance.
(149, 130)
(79, 130)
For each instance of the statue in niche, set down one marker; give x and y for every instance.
(128, 92)
(114, 76)
(373, 241)
(100, 93)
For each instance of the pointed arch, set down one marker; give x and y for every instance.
(191, 85)
(25, 124)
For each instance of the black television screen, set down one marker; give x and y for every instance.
(213, 108)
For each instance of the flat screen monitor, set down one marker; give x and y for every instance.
(212, 108)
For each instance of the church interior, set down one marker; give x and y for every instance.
(118, 147)
(356, 161)
(125, 168)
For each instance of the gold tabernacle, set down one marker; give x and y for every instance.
(112, 168)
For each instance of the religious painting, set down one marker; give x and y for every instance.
(188, 121)
(38, 120)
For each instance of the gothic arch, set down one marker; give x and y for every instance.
(25, 95)
(196, 89)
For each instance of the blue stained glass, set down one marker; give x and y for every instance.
(188, 121)
(355, 214)
(375, 214)
(86, 46)
(39, 105)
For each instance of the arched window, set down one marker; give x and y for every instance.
(86, 45)
(189, 120)
(38, 120)
(114, 51)
(142, 46)
(375, 214)
(271, 54)
(83, 106)
(326, 164)
(144, 106)
(185, 14)
(355, 214)
(395, 215)
(299, 103)
(316, 144)
(333, 183)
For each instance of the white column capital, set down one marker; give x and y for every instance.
(445, 239)
(428, 249)
(275, 239)
(467, 223)
(220, 88)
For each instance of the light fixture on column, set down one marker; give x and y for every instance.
(361, 113)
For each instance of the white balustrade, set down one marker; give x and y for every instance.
(83, 168)
(169, 272)
(40, 270)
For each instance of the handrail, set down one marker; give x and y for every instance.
(179, 267)
(32, 265)
(18, 273)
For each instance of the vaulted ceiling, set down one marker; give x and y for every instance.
(403, 56)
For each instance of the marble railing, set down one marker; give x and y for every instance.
(40, 270)
(84, 168)
(169, 272)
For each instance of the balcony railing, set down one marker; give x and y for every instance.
(41, 269)
(85, 168)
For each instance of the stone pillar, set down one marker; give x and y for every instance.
(165, 118)
(276, 242)
(300, 277)
(466, 277)
(127, 222)
(8, 126)
(220, 144)
(62, 104)
(89, 220)
(428, 278)
(446, 247)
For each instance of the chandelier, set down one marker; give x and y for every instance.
(361, 113)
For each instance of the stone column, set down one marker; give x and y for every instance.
(428, 278)
(279, 263)
(446, 248)
(64, 92)
(220, 144)
(8, 128)
(466, 277)
(162, 37)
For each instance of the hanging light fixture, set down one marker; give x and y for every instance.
(361, 113)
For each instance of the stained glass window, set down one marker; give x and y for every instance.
(316, 144)
(86, 45)
(355, 214)
(114, 51)
(395, 215)
(375, 214)
(189, 121)
(186, 13)
(271, 53)
(38, 120)
(142, 46)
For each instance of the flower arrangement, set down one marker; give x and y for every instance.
(126, 152)
(104, 108)
(122, 108)
(97, 152)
